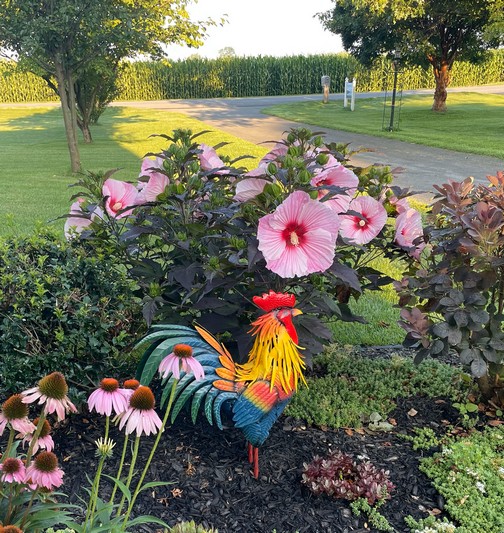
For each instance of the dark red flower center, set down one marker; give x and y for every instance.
(293, 234)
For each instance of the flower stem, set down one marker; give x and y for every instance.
(121, 465)
(35, 436)
(130, 473)
(96, 483)
(153, 450)
(10, 442)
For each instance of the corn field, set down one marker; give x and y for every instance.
(252, 76)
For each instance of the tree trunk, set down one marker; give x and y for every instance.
(442, 75)
(69, 117)
(86, 131)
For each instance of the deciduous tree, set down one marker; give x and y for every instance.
(435, 32)
(71, 40)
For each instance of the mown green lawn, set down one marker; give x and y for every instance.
(34, 161)
(473, 123)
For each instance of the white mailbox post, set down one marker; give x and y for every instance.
(349, 94)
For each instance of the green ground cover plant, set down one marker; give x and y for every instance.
(331, 401)
(469, 473)
(472, 124)
(34, 168)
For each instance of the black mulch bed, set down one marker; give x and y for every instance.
(213, 485)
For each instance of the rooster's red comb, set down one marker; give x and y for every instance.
(274, 300)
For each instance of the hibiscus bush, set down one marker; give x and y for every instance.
(453, 300)
(201, 235)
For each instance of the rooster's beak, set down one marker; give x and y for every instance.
(296, 312)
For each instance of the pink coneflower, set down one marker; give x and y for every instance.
(13, 470)
(15, 412)
(44, 472)
(109, 396)
(45, 441)
(119, 195)
(249, 188)
(79, 221)
(299, 237)
(131, 384)
(181, 359)
(150, 190)
(52, 392)
(364, 227)
(209, 160)
(336, 175)
(408, 229)
(140, 416)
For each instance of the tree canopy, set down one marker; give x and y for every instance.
(435, 32)
(67, 38)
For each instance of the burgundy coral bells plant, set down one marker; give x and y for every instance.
(338, 475)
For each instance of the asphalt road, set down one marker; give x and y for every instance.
(422, 166)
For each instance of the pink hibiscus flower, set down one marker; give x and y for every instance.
(339, 176)
(210, 160)
(119, 195)
(364, 228)
(401, 205)
(157, 183)
(78, 221)
(249, 188)
(409, 228)
(279, 150)
(299, 238)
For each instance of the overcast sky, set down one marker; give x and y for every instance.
(263, 27)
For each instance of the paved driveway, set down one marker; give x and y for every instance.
(422, 166)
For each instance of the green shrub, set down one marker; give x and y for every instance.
(190, 527)
(64, 310)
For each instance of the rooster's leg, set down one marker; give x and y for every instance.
(256, 463)
(253, 458)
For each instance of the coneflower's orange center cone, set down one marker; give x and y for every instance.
(54, 386)
(46, 462)
(182, 350)
(109, 384)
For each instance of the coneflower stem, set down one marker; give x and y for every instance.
(35, 436)
(151, 455)
(96, 483)
(28, 509)
(10, 442)
(134, 456)
(121, 464)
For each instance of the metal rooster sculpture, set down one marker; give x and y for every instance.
(255, 393)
